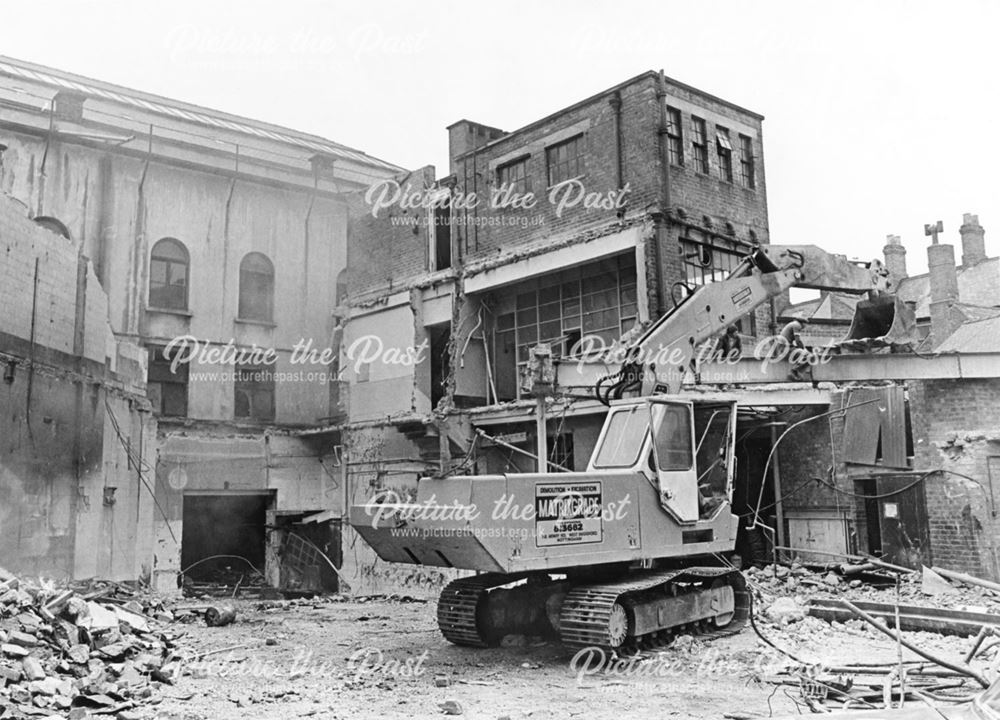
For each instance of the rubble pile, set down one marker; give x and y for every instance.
(76, 652)
(845, 580)
(948, 663)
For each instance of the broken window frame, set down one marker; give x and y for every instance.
(254, 392)
(170, 260)
(699, 144)
(712, 259)
(554, 309)
(166, 388)
(256, 301)
(565, 160)
(724, 150)
(675, 138)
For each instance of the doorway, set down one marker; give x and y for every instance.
(223, 537)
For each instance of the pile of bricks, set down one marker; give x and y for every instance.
(74, 654)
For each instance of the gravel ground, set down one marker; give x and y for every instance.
(385, 659)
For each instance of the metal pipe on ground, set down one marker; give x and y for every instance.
(967, 579)
(957, 667)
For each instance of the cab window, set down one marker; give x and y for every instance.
(623, 439)
(673, 437)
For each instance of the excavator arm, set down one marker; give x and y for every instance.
(668, 349)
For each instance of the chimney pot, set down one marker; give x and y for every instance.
(895, 257)
(973, 240)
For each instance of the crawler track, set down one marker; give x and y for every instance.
(587, 618)
(660, 604)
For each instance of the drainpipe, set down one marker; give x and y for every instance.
(663, 222)
(661, 97)
(616, 105)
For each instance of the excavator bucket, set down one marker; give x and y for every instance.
(884, 321)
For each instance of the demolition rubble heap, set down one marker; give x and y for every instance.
(102, 650)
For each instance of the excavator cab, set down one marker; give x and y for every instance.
(685, 447)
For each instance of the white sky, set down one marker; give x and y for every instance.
(879, 115)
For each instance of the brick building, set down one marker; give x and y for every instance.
(222, 229)
(921, 489)
(591, 221)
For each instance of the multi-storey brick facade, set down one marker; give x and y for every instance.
(585, 223)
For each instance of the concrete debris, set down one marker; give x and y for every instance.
(785, 611)
(931, 583)
(73, 651)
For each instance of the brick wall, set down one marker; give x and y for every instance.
(386, 251)
(956, 426)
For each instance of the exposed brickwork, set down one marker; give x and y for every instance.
(956, 426)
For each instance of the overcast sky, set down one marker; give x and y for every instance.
(879, 115)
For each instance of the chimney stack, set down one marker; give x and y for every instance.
(944, 288)
(895, 258)
(973, 242)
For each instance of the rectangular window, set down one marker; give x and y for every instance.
(598, 299)
(699, 145)
(746, 162)
(254, 392)
(565, 160)
(672, 438)
(166, 386)
(710, 259)
(725, 152)
(626, 431)
(675, 141)
(513, 178)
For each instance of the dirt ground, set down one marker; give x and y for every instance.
(329, 658)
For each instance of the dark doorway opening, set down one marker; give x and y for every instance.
(231, 524)
(440, 337)
(752, 448)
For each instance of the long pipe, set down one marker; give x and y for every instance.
(897, 636)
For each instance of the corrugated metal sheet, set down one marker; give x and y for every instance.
(894, 428)
(865, 425)
(861, 426)
(122, 96)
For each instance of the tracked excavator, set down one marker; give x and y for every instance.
(626, 553)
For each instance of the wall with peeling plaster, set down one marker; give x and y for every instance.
(75, 432)
(116, 208)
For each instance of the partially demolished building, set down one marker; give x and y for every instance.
(878, 451)
(584, 224)
(211, 235)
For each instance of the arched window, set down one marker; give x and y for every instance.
(256, 288)
(168, 275)
(50, 223)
